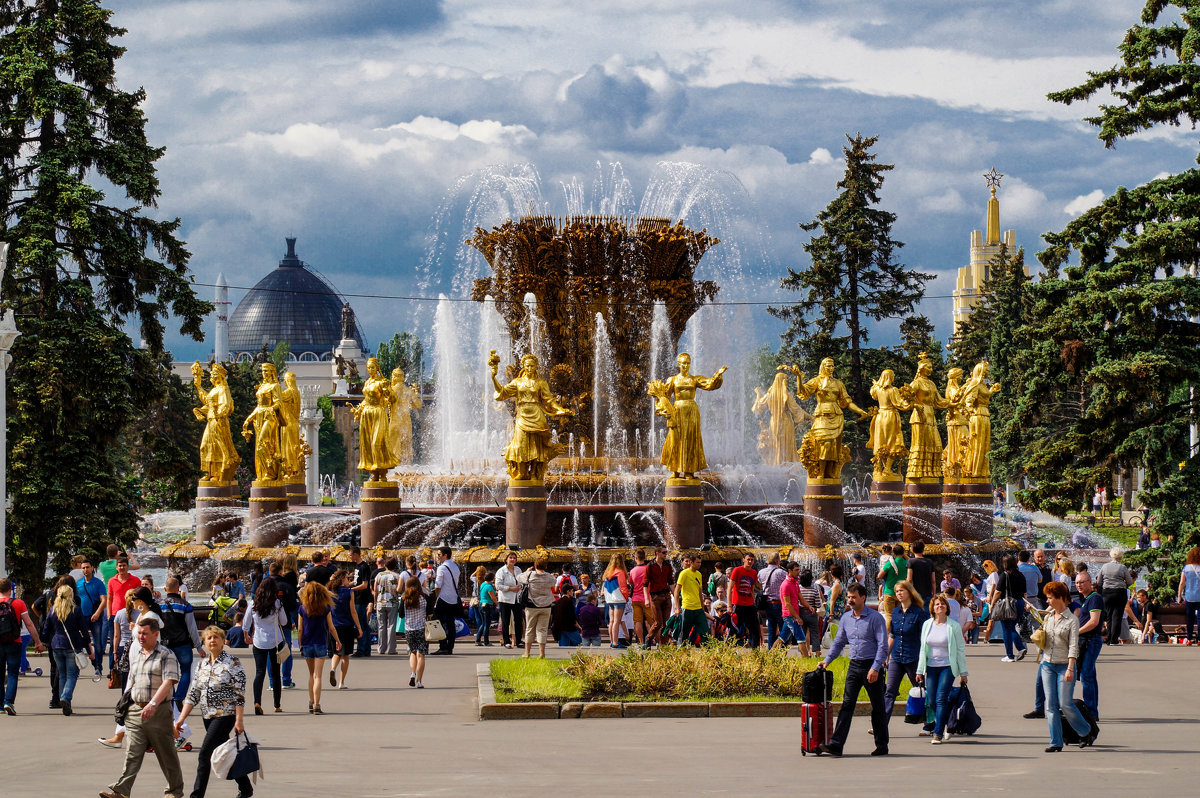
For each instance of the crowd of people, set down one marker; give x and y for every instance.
(925, 618)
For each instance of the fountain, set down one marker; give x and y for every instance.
(605, 296)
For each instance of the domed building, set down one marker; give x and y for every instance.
(290, 304)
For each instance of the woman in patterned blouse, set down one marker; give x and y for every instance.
(219, 689)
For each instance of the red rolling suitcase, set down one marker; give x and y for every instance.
(816, 726)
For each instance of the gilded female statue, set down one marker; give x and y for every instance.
(293, 451)
(925, 454)
(822, 452)
(779, 445)
(530, 450)
(405, 399)
(267, 420)
(218, 458)
(977, 394)
(375, 453)
(887, 433)
(956, 427)
(683, 450)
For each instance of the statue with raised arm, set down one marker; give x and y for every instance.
(264, 425)
(218, 457)
(530, 450)
(375, 453)
(955, 454)
(977, 395)
(292, 448)
(683, 450)
(405, 399)
(887, 433)
(778, 445)
(925, 453)
(822, 453)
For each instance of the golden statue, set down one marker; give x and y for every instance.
(955, 452)
(887, 433)
(375, 453)
(530, 450)
(683, 450)
(822, 453)
(778, 444)
(293, 448)
(267, 421)
(976, 396)
(218, 458)
(925, 454)
(405, 399)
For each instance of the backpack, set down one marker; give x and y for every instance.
(175, 632)
(10, 624)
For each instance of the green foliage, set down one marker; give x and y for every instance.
(333, 447)
(853, 277)
(81, 268)
(162, 444)
(279, 357)
(404, 351)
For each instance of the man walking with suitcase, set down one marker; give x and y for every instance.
(863, 629)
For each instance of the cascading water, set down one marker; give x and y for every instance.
(603, 378)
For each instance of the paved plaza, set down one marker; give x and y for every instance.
(382, 738)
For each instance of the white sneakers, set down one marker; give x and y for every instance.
(1007, 659)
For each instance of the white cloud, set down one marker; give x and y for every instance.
(1084, 202)
(820, 156)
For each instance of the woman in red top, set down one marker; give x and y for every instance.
(616, 593)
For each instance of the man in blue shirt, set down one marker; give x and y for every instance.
(1033, 578)
(1090, 614)
(866, 633)
(91, 603)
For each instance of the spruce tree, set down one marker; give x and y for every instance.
(853, 278)
(77, 182)
(1114, 350)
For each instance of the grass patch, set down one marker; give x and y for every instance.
(713, 672)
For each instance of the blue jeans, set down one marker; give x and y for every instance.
(285, 670)
(774, 615)
(364, 641)
(99, 639)
(1009, 630)
(10, 661)
(1060, 702)
(184, 654)
(1089, 652)
(896, 671)
(1039, 692)
(938, 681)
(1191, 618)
(68, 672)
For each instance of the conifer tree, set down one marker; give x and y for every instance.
(87, 259)
(853, 278)
(1114, 349)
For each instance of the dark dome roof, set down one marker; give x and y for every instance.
(290, 304)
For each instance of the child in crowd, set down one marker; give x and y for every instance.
(590, 618)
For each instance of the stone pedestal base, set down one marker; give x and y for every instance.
(215, 522)
(824, 513)
(923, 510)
(887, 490)
(268, 524)
(297, 493)
(683, 511)
(378, 513)
(525, 514)
(967, 514)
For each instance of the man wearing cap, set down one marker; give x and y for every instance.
(153, 673)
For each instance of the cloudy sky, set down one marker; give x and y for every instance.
(375, 130)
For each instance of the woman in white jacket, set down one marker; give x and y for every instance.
(943, 657)
(264, 626)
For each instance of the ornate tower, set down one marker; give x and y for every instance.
(984, 247)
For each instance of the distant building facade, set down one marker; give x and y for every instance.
(985, 245)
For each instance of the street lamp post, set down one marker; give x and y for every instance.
(8, 334)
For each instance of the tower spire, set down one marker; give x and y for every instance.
(993, 209)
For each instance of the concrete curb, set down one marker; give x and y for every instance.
(490, 709)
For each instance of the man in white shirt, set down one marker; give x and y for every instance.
(447, 606)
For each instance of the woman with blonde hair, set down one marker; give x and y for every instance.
(1064, 571)
(904, 642)
(316, 632)
(992, 576)
(219, 689)
(68, 632)
(616, 593)
(537, 611)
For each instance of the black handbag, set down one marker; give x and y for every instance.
(245, 761)
(523, 596)
(122, 708)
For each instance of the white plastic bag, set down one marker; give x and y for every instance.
(224, 754)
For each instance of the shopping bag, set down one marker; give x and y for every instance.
(434, 633)
(914, 707)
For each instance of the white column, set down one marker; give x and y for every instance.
(310, 425)
(8, 334)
